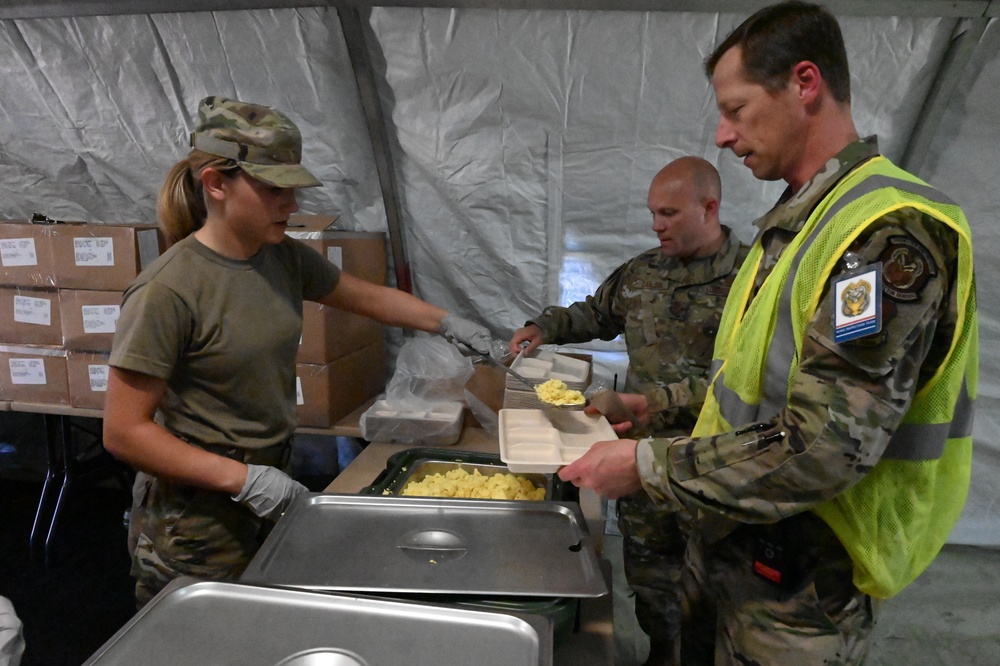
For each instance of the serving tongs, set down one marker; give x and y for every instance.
(521, 378)
(492, 361)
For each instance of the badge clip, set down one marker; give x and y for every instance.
(857, 301)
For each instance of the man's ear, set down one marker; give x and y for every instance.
(711, 206)
(212, 183)
(808, 81)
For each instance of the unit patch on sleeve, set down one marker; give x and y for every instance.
(906, 268)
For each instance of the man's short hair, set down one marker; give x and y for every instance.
(778, 37)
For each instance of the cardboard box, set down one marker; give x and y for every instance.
(87, 377)
(326, 393)
(305, 222)
(329, 333)
(484, 395)
(33, 373)
(89, 318)
(360, 253)
(26, 254)
(30, 316)
(102, 256)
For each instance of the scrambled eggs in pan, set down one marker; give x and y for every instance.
(460, 483)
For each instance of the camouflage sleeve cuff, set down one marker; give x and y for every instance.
(658, 400)
(669, 397)
(652, 473)
(545, 325)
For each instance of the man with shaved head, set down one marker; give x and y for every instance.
(667, 302)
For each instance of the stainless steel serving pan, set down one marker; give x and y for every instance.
(221, 624)
(416, 545)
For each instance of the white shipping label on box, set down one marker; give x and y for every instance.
(95, 251)
(98, 377)
(27, 371)
(100, 318)
(299, 398)
(18, 252)
(335, 255)
(28, 310)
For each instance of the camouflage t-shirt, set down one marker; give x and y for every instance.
(669, 312)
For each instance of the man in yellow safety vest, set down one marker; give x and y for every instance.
(833, 454)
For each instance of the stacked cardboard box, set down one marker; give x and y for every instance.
(60, 294)
(61, 289)
(341, 359)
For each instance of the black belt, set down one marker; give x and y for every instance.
(276, 455)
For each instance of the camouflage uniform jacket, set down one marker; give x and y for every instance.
(669, 312)
(846, 399)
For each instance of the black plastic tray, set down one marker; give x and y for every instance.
(416, 463)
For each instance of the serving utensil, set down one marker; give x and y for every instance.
(516, 375)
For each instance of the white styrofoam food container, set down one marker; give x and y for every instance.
(544, 365)
(543, 440)
(438, 424)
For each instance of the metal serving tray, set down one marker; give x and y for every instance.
(418, 463)
(417, 545)
(240, 625)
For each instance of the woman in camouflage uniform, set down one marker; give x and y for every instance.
(201, 397)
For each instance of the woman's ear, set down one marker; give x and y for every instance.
(213, 183)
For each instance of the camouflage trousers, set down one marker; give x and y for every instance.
(813, 615)
(653, 553)
(178, 530)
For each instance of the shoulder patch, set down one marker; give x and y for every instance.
(906, 268)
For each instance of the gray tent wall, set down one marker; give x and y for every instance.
(505, 147)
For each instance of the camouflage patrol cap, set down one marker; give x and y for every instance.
(263, 141)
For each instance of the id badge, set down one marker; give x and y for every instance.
(857, 303)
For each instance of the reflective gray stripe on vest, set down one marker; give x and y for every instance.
(926, 441)
(733, 409)
(916, 440)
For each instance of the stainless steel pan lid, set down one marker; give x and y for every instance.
(240, 625)
(430, 545)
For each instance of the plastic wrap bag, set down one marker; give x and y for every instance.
(428, 370)
(424, 401)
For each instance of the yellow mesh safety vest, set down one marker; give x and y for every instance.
(896, 519)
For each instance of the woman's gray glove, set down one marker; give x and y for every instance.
(268, 491)
(457, 330)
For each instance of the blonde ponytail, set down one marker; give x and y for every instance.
(180, 206)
